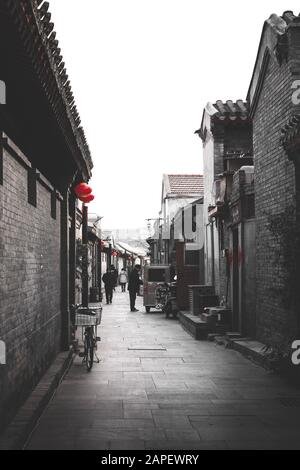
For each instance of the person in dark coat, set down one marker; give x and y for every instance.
(134, 285)
(116, 275)
(109, 282)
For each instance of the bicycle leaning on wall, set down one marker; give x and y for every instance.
(88, 319)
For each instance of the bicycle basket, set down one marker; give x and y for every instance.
(88, 316)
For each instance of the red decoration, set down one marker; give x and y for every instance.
(82, 189)
(87, 199)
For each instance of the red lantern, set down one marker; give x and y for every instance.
(82, 189)
(87, 199)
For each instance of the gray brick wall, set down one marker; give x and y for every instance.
(275, 210)
(29, 283)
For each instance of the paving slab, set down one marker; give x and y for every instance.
(158, 388)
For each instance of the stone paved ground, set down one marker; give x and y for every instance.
(173, 393)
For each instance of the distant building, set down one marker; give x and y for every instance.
(178, 191)
(178, 232)
(129, 234)
(186, 249)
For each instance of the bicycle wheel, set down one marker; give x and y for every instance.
(89, 350)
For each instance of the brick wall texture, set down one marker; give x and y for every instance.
(275, 210)
(29, 284)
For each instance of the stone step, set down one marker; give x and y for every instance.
(233, 335)
(194, 325)
(251, 349)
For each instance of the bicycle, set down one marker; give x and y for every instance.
(88, 319)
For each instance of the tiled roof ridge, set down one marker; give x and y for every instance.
(238, 108)
(33, 20)
(287, 17)
(184, 174)
(43, 16)
(280, 23)
(184, 183)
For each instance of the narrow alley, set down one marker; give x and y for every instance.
(158, 388)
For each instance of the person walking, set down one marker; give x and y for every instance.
(134, 285)
(115, 274)
(123, 279)
(109, 282)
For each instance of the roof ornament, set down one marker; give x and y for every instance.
(277, 23)
(210, 109)
(288, 16)
(44, 9)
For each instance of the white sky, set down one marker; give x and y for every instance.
(141, 72)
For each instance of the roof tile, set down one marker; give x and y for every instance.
(185, 184)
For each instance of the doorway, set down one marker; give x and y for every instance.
(235, 280)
